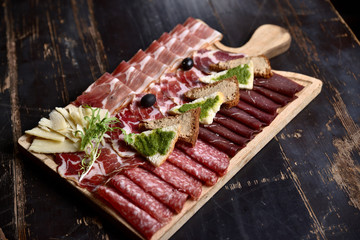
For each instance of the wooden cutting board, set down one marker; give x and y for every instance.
(269, 40)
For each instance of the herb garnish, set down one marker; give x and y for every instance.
(92, 136)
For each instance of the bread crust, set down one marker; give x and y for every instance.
(191, 117)
(260, 70)
(231, 102)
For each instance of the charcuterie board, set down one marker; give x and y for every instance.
(268, 40)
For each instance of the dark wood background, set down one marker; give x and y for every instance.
(305, 184)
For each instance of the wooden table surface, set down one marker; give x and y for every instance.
(305, 184)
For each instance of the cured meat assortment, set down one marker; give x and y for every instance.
(146, 196)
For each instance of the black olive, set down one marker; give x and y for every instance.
(148, 100)
(187, 64)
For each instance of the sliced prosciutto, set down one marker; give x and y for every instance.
(190, 78)
(173, 88)
(218, 142)
(146, 64)
(259, 101)
(175, 45)
(107, 92)
(107, 164)
(279, 84)
(162, 54)
(158, 188)
(203, 58)
(186, 163)
(207, 155)
(141, 198)
(176, 177)
(266, 118)
(183, 34)
(162, 100)
(144, 113)
(145, 224)
(132, 77)
(202, 30)
(227, 133)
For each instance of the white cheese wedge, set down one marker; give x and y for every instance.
(66, 115)
(45, 123)
(244, 74)
(38, 132)
(209, 105)
(57, 121)
(50, 146)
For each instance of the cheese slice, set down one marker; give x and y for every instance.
(38, 132)
(64, 112)
(57, 121)
(46, 125)
(49, 146)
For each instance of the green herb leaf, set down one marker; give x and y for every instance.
(92, 136)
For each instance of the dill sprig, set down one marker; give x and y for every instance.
(92, 136)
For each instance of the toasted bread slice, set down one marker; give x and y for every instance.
(151, 145)
(229, 87)
(262, 66)
(189, 122)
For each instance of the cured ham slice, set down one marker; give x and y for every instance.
(204, 57)
(141, 198)
(235, 126)
(242, 117)
(177, 178)
(259, 101)
(227, 133)
(174, 45)
(107, 92)
(173, 88)
(186, 163)
(144, 113)
(276, 97)
(202, 30)
(146, 64)
(136, 217)
(159, 189)
(183, 34)
(163, 101)
(190, 77)
(266, 118)
(162, 54)
(107, 164)
(279, 84)
(131, 77)
(218, 142)
(207, 155)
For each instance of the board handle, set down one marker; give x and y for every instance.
(269, 40)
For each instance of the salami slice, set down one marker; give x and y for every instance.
(227, 133)
(141, 198)
(276, 97)
(136, 217)
(279, 84)
(259, 101)
(235, 126)
(186, 163)
(242, 117)
(266, 118)
(177, 178)
(158, 188)
(208, 156)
